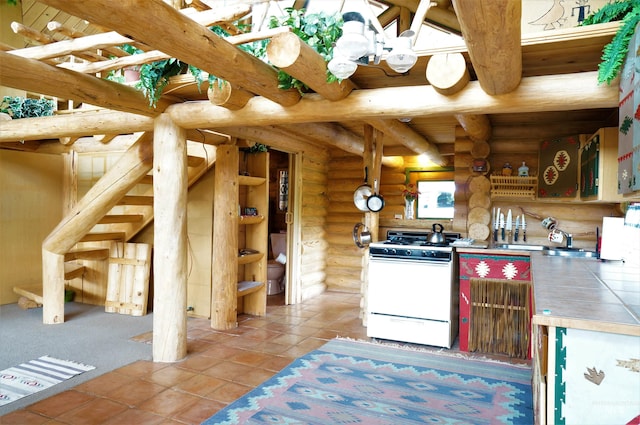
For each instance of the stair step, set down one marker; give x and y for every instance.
(87, 254)
(136, 200)
(106, 236)
(121, 218)
(194, 161)
(73, 270)
(148, 179)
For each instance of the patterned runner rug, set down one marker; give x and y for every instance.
(36, 375)
(348, 382)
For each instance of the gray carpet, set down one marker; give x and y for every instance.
(89, 335)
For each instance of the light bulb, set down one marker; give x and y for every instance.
(402, 58)
(342, 67)
(353, 42)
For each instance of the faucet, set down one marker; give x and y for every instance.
(568, 236)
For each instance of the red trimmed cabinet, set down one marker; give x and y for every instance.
(494, 269)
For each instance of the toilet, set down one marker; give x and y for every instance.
(275, 266)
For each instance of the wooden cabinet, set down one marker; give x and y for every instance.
(495, 303)
(240, 236)
(599, 167)
(585, 377)
(558, 168)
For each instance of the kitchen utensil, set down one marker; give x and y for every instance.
(549, 223)
(496, 225)
(362, 193)
(502, 225)
(375, 202)
(437, 237)
(524, 229)
(509, 224)
(361, 235)
(515, 235)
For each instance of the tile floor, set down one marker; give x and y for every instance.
(219, 368)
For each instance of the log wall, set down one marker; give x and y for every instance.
(314, 212)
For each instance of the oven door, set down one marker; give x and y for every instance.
(410, 288)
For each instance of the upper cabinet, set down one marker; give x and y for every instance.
(599, 167)
(558, 169)
(629, 121)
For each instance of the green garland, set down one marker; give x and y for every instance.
(614, 53)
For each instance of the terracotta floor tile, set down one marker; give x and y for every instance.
(221, 351)
(23, 417)
(200, 385)
(105, 383)
(250, 358)
(199, 411)
(137, 417)
(170, 375)
(229, 392)
(97, 411)
(227, 370)
(198, 362)
(254, 377)
(55, 406)
(168, 402)
(141, 368)
(136, 392)
(277, 363)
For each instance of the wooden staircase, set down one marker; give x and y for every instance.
(77, 250)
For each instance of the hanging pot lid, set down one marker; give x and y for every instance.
(362, 193)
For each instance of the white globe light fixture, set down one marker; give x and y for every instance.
(402, 58)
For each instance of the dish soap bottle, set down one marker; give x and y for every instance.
(523, 171)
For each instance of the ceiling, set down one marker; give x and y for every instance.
(565, 51)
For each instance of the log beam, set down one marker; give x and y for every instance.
(534, 94)
(491, 31)
(32, 75)
(295, 57)
(183, 39)
(408, 137)
(478, 127)
(170, 186)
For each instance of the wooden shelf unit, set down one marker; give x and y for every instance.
(513, 187)
(239, 280)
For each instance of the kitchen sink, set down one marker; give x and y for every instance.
(570, 252)
(521, 247)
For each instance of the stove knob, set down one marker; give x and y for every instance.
(408, 253)
(393, 251)
(385, 250)
(426, 253)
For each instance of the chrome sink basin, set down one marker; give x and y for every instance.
(521, 247)
(570, 252)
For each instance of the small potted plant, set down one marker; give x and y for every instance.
(18, 107)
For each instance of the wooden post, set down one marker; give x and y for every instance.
(52, 288)
(170, 240)
(224, 302)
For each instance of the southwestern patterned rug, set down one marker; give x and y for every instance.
(349, 382)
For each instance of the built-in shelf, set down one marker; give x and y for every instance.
(251, 219)
(510, 187)
(247, 287)
(250, 258)
(250, 180)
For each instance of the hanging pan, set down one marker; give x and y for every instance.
(361, 235)
(362, 193)
(375, 202)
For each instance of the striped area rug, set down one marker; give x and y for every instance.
(36, 375)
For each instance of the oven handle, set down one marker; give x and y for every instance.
(397, 261)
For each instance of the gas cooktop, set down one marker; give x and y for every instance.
(417, 238)
(413, 245)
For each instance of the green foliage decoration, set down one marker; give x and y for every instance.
(614, 53)
(318, 30)
(20, 107)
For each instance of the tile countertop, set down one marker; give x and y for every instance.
(586, 294)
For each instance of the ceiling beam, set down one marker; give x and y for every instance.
(534, 94)
(184, 39)
(38, 77)
(491, 31)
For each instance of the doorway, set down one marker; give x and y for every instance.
(279, 223)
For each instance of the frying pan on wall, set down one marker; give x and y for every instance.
(375, 202)
(361, 235)
(362, 193)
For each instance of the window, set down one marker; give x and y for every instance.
(435, 199)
